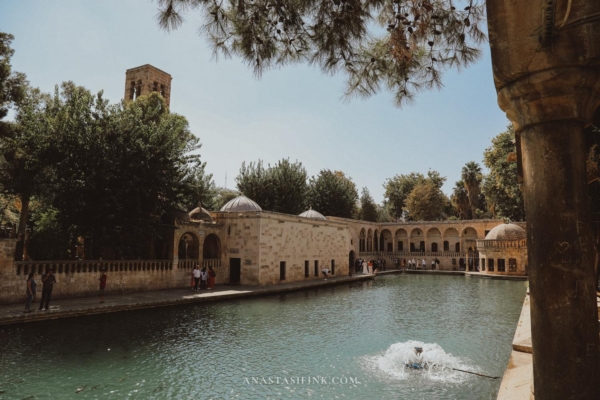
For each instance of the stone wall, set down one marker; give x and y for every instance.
(296, 241)
(503, 250)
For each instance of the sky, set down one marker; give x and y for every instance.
(296, 112)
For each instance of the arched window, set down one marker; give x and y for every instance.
(434, 247)
(446, 245)
(211, 249)
(457, 247)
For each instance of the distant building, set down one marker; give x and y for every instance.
(146, 79)
(504, 251)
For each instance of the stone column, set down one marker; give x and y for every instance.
(546, 62)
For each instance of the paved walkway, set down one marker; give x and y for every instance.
(64, 308)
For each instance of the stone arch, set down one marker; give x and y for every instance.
(362, 241)
(417, 240)
(434, 238)
(401, 237)
(211, 248)
(369, 240)
(469, 246)
(351, 260)
(376, 240)
(188, 246)
(386, 241)
(451, 239)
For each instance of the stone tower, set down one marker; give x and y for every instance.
(145, 79)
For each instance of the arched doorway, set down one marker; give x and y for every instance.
(376, 240)
(361, 242)
(188, 247)
(211, 248)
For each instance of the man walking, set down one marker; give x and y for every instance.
(196, 272)
(48, 284)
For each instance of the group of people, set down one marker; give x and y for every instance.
(369, 267)
(204, 278)
(416, 264)
(48, 282)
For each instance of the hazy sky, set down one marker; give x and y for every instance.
(295, 112)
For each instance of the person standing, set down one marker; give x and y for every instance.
(196, 277)
(365, 267)
(433, 265)
(424, 264)
(211, 278)
(203, 278)
(414, 263)
(48, 281)
(102, 280)
(31, 289)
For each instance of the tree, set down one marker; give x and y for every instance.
(500, 187)
(280, 188)
(398, 188)
(333, 194)
(13, 85)
(423, 38)
(426, 202)
(368, 208)
(460, 200)
(222, 197)
(119, 171)
(471, 176)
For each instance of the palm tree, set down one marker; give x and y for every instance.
(460, 200)
(472, 176)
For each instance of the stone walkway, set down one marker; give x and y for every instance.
(64, 308)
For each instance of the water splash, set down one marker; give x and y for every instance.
(392, 363)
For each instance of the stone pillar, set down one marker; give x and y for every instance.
(546, 62)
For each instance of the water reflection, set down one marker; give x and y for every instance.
(211, 350)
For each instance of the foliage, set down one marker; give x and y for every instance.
(368, 208)
(222, 197)
(383, 213)
(333, 194)
(500, 187)
(426, 202)
(398, 188)
(471, 176)
(12, 84)
(423, 37)
(280, 188)
(460, 200)
(50, 240)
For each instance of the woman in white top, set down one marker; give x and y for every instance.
(365, 268)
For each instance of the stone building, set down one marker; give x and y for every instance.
(146, 79)
(504, 251)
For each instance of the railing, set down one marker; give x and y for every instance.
(404, 254)
(502, 244)
(88, 266)
(211, 262)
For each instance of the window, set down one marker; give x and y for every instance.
(422, 246)
(446, 245)
(332, 267)
(501, 266)
(306, 269)
(491, 264)
(512, 265)
(412, 247)
(400, 246)
(457, 247)
(483, 264)
(316, 267)
(282, 270)
(434, 248)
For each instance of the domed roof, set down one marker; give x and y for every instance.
(240, 204)
(200, 214)
(506, 232)
(313, 214)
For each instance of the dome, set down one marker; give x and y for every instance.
(312, 214)
(241, 204)
(200, 214)
(506, 232)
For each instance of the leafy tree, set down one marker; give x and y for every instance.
(471, 176)
(280, 188)
(500, 187)
(368, 208)
(460, 200)
(12, 84)
(333, 194)
(398, 188)
(423, 38)
(222, 197)
(426, 202)
(383, 213)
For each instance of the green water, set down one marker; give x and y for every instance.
(335, 337)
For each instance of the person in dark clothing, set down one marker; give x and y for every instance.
(31, 289)
(48, 284)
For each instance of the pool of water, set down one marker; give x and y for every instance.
(348, 342)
